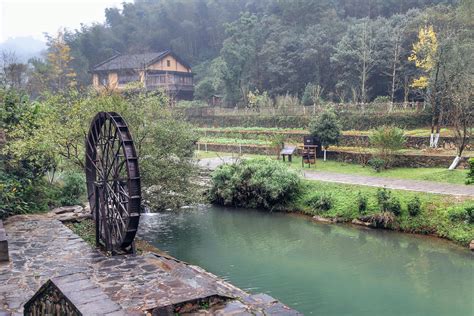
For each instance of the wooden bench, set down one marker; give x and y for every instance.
(288, 151)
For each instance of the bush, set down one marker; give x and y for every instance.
(383, 199)
(414, 206)
(326, 128)
(376, 163)
(362, 201)
(21, 195)
(388, 140)
(254, 183)
(73, 189)
(320, 202)
(382, 99)
(388, 203)
(465, 214)
(395, 206)
(470, 174)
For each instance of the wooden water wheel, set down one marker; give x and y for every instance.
(113, 181)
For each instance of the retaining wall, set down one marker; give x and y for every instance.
(414, 142)
(401, 160)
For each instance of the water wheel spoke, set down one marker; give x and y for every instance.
(109, 171)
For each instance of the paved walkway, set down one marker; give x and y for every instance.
(42, 248)
(389, 183)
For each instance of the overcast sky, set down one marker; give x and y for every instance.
(34, 17)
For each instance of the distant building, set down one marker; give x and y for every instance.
(154, 70)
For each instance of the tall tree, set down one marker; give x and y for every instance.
(13, 73)
(356, 57)
(61, 74)
(239, 53)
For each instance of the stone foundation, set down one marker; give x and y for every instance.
(401, 160)
(412, 142)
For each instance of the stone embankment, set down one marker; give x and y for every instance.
(45, 254)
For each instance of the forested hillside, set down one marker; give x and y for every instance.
(353, 50)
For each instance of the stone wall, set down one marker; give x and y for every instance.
(402, 160)
(238, 149)
(413, 142)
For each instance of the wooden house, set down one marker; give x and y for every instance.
(163, 70)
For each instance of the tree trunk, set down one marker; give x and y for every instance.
(455, 163)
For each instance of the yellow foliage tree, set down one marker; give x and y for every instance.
(423, 54)
(61, 74)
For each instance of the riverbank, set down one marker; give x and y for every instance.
(439, 215)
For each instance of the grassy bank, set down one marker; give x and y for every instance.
(442, 175)
(267, 184)
(440, 215)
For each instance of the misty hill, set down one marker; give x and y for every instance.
(24, 47)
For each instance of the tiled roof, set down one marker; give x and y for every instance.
(132, 61)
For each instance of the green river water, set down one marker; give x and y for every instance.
(317, 268)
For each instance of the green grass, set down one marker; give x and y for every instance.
(414, 132)
(232, 141)
(441, 175)
(212, 154)
(84, 229)
(250, 129)
(433, 218)
(429, 174)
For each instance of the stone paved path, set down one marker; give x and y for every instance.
(389, 183)
(42, 248)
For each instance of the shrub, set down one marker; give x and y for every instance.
(395, 206)
(383, 199)
(320, 202)
(470, 174)
(414, 206)
(388, 203)
(21, 195)
(388, 140)
(376, 163)
(362, 202)
(382, 99)
(254, 183)
(326, 128)
(73, 189)
(465, 214)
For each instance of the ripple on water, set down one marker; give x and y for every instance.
(325, 269)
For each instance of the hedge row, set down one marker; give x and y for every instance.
(349, 120)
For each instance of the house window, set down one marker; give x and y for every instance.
(153, 80)
(104, 79)
(168, 63)
(127, 78)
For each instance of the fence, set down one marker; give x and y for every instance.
(305, 111)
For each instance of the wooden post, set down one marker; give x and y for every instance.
(96, 215)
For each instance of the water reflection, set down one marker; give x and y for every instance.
(320, 268)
